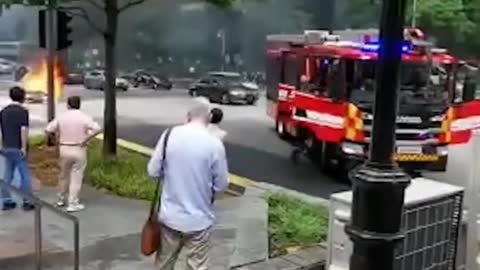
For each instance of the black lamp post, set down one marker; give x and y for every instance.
(379, 185)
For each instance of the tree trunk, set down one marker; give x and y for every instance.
(110, 112)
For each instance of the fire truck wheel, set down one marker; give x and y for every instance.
(345, 167)
(321, 153)
(281, 129)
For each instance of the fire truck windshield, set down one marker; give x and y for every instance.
(419, 82)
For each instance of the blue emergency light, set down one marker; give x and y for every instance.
(375, 47)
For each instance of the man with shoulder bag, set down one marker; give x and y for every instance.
(193, 166)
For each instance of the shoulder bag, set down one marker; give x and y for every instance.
(151, 232)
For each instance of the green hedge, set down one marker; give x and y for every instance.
(126, 175)
(295, 223)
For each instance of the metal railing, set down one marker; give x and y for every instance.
(39, 204)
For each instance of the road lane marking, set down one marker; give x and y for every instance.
(237, 180)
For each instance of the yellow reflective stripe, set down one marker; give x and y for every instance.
(350, 134)
(416, 158)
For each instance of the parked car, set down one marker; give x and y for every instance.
(131, 78)
(225, 88)
(6, 66)
(96, 80)
(74, 78)
(150, 80)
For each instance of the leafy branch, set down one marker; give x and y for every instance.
(131, 4)
(80, 12)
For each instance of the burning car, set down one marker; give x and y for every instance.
(36, 97)
(33, 78)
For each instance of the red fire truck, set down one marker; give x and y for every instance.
(320, 90)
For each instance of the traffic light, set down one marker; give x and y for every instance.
(63, 30)
(42, 32)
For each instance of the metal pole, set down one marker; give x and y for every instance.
(379, 185)
(76, 243)
(224, 47)
(414, 13)
(38, 237)
(50, 61)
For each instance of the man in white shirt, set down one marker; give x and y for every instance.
(194, 170)
(74, 130)
(216, 116)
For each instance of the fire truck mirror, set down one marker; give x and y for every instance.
(469, 88)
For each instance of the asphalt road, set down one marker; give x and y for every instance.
(253, 148)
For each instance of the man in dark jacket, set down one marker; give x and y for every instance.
(14, 123)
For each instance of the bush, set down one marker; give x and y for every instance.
(293, 223)
(36, 141)
(126, 175)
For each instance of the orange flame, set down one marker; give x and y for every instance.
(36, 78)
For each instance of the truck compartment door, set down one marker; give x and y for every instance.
(320, 115)
(466, 118)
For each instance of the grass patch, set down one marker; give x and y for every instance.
(294, 223)
(125, 175)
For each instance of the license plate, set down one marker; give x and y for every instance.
(409, 150)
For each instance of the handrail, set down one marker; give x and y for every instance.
(39, 204)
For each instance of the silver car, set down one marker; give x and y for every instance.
(6, 66)
(96, 80)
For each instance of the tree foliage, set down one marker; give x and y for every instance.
(110, 11)
(447, 21)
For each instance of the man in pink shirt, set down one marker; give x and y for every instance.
(74, 129)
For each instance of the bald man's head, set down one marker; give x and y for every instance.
(200, 111)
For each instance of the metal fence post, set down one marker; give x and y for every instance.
(38, 237)
(39, 205)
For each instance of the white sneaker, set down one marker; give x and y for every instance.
(75, 207)
(60, 203)
(61, 200)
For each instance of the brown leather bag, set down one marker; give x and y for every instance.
(151, 232)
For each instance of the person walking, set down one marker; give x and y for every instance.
(194, 170)
(14, 123)
(216, 117)
(74, 129)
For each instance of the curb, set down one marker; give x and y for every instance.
(313, 258)
(26, 260)
(236, 187)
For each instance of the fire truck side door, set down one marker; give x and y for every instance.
(336, 89)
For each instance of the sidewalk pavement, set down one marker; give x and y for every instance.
(110, 232)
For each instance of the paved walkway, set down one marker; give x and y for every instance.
(110, 229)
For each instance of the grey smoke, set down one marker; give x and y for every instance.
(19, 23)
(185, 31)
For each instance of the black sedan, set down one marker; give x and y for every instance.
(225, 88)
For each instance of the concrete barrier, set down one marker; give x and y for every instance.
(463, 169)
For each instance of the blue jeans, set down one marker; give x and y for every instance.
(14, 159)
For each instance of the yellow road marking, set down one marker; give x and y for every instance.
(234, 179)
